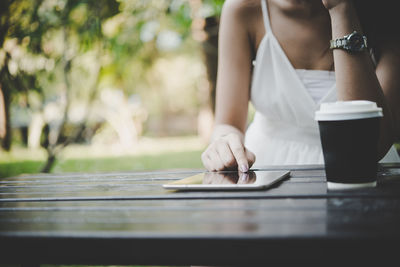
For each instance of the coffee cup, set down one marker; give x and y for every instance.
(349, 133)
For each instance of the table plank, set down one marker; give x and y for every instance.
(197, 218)
(149, 232)
(302, 184)
(144, 186)
(228, 220)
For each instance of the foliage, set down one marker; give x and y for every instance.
(58, 56)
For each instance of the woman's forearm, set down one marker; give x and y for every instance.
(355, 73)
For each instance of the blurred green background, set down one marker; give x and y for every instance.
(104, 85)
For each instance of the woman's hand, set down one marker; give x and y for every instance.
(227, 152)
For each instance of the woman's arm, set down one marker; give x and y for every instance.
(234, 66)
(226, 149)
(357, 77)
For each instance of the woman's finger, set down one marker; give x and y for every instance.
(237, 148)
(226, 155)
(251, 157)
(215, 160)
(206, 160)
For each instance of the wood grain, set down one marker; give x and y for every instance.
(128, 218)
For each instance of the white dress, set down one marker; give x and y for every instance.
(283, 130)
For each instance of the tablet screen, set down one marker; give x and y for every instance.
(229, 180)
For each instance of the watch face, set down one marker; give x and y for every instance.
(355, 42)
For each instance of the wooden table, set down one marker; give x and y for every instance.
(128, 218)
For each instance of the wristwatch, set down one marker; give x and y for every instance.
(353, 42)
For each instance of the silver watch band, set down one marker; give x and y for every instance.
(346, 43)
(337, 43)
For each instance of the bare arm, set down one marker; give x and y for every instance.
(357, 78)
(233, 88)
(234, 57)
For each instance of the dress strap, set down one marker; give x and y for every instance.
(267, 24)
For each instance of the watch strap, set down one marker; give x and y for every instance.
(338, 43)
(344, 42)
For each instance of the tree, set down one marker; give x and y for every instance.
(32, 28)
(46, 46)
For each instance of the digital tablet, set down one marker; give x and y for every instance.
(229, 180)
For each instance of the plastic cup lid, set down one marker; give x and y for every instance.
(348, 110)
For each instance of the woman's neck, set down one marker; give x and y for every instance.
(301, 25)
(299, 9)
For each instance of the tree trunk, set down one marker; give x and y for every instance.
(6, 140)
(2, 115)
(51, 159)
(54, 149)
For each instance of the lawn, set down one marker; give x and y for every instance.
(149, 154)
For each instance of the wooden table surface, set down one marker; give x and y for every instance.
(128, 218)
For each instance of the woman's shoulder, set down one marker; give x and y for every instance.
(245, 16)
(242, 9)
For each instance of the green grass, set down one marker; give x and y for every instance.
(172, 160)
(19, 167)
(150, 154)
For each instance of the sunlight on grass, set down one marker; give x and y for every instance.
(145, 146)
(149, 154)
(170, 160)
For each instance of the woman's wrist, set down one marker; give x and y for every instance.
(225, 129)
(339, 9)
(344, 19)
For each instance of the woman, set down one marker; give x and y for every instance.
(295, 69)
